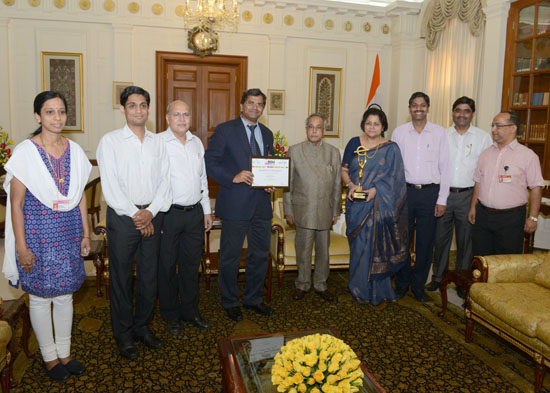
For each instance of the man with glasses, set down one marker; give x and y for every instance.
(425, 150)
(244, 211)
(466, 142)
(503, 175)
(313, 204)
(184, 224)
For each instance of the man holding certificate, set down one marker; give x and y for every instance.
(244, 211)
(313, 204)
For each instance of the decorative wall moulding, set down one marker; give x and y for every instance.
(289, 20)
(109, 5)
(385, 29)
(247, 16)
(157, 9)
(366, 27)
(85, 5)
(59, 3)
(348, 26)
(309, 22)
(9, 2)
(133, 7)
(268, 18)
(34, 3)
(329, 24)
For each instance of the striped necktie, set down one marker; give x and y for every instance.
(254, 148)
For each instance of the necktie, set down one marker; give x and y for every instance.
(254, 148)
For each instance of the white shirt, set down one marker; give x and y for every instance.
(187, 170)
(465, 150)
(134, 172)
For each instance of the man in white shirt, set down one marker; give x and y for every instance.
(466, 143)
(184, 224)
(135, 179)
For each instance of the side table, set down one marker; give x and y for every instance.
(461, 278)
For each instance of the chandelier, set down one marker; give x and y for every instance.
(212, 14)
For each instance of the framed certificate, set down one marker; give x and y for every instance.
(270, 172)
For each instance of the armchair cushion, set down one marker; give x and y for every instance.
(543, 332)
(543, 273)
(513, 267)
(338, 245)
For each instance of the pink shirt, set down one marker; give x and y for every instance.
(519, 167)
(426, 156)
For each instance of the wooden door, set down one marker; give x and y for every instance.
(211, 86)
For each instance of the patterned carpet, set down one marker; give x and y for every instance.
(406, 346)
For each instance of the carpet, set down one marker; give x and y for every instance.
(405, 345)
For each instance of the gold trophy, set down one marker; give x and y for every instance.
(359, 194)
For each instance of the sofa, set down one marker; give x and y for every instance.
(510, 296)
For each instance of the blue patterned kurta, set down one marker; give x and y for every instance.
(54, 237)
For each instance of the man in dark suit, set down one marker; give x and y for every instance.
(244, 211)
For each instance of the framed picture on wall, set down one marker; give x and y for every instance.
(62, 72)
(275, 102)
(118, 87)
(325, 95)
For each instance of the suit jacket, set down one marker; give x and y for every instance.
(315, 195)
(227, 154)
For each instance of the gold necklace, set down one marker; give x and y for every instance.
(376, 151)
(59, 180)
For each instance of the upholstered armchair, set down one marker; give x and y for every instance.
(282, 248)
(93, 197)
(511, 297)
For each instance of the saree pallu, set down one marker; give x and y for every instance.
(378, 230)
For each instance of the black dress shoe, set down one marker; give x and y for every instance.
(422, 297)
(150, 340)
(298, 294)
(432, 286)
(325, 295)
(199, 322)
(234, 313)
(401, 292)
(173, 327)
(262, 309)
(58, 373)
(75, 367)
(128, 350)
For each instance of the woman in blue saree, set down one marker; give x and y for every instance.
(377, 225)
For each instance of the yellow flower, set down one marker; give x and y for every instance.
(315, 390)
(333, 367)
(311, 359)
(302, 388)
(318, 376)
(322, 366)
(298, 378)
(332, 379)
(306, 371)
(337, 358)
(323, 355)
(288, 365)
(310, 381)
(293, 390)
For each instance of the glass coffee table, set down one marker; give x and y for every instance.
(246, 362)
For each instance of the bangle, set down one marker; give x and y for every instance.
(85, 237)
(533, 218)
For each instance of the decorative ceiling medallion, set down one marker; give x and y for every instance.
(85, 5)
(309, 22)
(268, 18)
(34, 3)
(180, 10)
(202, 40)
(109, 5)
(157, 9)
(289, 20)
(247, 16)
(366, 27)
(9, 2)
(133, 7)
(59, 3)
(329, 24)
(385, 29)
(348, 26)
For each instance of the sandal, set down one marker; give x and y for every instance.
(57, 373)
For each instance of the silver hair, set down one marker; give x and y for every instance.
(317, 115)
(169, 107)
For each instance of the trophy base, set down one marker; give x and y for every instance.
(359, 196)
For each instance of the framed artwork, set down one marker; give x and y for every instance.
(325, 96)
(62, 72)
(118, 87)
(275, 102)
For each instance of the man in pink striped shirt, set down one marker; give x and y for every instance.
(425, 150)
(504, 172)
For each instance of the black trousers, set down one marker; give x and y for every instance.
(495, 234)
(421, 206)
(125, 244)
(257, 232)
(181, 245)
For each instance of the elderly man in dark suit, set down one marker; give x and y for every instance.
(244, 211)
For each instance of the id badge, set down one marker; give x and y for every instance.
(61, 205)
(505, 179)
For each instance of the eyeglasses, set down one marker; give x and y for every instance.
(312, 127)
(493, 125)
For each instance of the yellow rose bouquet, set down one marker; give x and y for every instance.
(280, 145)
(318, 363)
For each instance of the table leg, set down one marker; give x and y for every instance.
(443, 291)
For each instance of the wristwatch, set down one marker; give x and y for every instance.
(533, 218)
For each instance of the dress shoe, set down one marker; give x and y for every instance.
(432, 286)
(173, 327)
(128, 350)
(262, 309)
(58, 373)
(460, 292)
(150, 340)
(199, 322)
(326, 295)
(298, 294)
(422, 297)
(75, 367)
(234, 313)
(401, 292)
